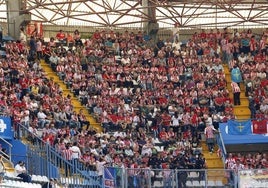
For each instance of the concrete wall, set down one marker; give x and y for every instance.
(17, 18)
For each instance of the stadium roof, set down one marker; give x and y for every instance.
(133, 13)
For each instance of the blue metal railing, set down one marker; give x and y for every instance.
(221, 145)
(7, 156)
(43, 159)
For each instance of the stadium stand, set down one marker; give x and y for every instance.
(152, 104)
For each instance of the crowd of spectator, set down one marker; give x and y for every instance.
(245, 161)
(153, 100)
(167, 90)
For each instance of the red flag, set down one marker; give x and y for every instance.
(259, 127)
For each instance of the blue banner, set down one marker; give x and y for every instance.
(109, 177)
(236, 75)
(5, 128)
(239, 127)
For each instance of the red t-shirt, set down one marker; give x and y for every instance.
(163, 135)
(166, 119)
(60, 36)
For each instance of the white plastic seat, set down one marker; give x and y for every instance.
(189, 184)
(34, 177)
(39, 178)
(203, 183)
(211, 183)
(193, 175)
(158, 184)
(45, 179)
(36, 185)
(218, 183)
(196, 184)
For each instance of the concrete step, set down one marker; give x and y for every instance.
(228, 79)
(214, 164)
(244, 102)
(242, 117)
(242, 88)
(241, 110)
(241, 98)
(212, 159)
(211, 156)
(8, 165)
(216, 175)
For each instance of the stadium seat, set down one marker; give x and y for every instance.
(193, 176)
(158, 184)
(45, 179)
(203, 183)
(218, 183)
(196, 184)
(19, 184)
(210, 183)
(189, 184)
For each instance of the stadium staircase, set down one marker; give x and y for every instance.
(9, 166)
(242, 111)
(66, 91)
(215, 164)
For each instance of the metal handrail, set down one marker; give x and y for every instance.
(125, 177)
(4, 154)
(10, 146)
(224, 153)
(54, 157)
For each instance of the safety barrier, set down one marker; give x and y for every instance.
(43, 159)
(222, 150)
(168, 178)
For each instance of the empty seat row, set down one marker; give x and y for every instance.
(19, 184)
(35, 178)
(209, 183)
(38, 178)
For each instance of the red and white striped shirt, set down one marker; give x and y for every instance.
(67, 154)
(235, 87)
(209, 131)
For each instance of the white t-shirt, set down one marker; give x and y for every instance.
(99, 167)
(76, 152)
(175, 121)
(41, 115)
(19, 169)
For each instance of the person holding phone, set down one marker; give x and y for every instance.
(22, 172)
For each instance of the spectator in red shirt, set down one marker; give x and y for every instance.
(166, 119)
(97, 35)
(61, 37)
(163, 137)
